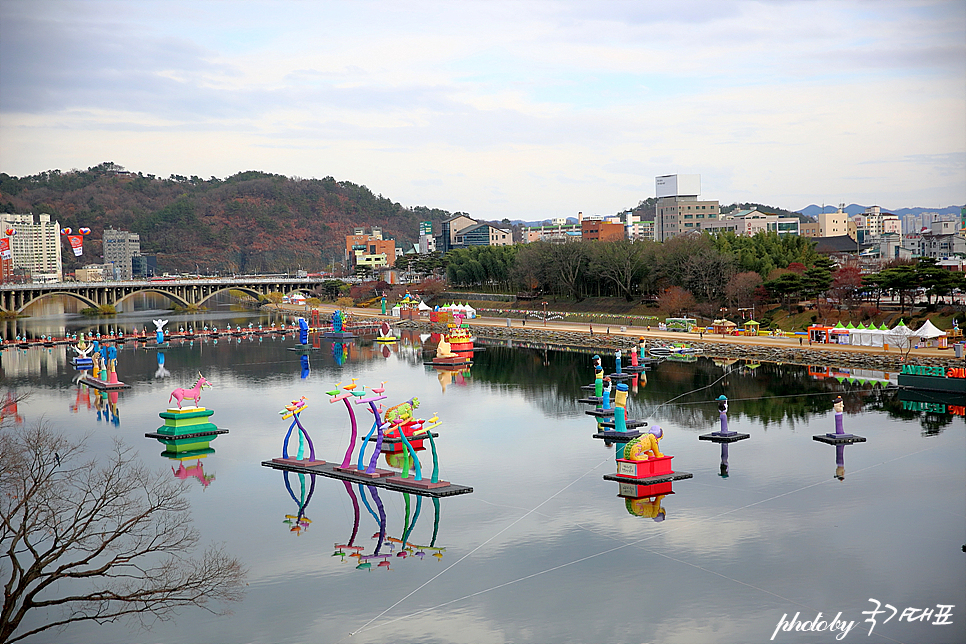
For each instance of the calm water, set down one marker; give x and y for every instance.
(544, 550)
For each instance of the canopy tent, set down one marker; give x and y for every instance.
(423, 306)
(900, 336)
(930, 336)
(870, 337)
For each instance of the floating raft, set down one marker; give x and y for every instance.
(618, 437)
(838, 439)
(451, 364)
(303, 348)
(412, 486)
(338, 335)
(186, 430)
(632, 423)
(102, 385)
(590, 400)
(650, 480)
(600, 413)
(620, 376)
(718, 437)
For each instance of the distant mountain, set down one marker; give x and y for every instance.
(856, 209)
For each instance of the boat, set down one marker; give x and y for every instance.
(674, 349)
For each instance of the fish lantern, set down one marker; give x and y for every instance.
(84, 231)
(66, 231)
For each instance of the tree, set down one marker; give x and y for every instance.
(676, 301)
(100, 539)
(740, 290)
(785, 286)
(847, 285)
(621, 263)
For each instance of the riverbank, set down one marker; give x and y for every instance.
(758, 348)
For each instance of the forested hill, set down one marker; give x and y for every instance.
(252, 221)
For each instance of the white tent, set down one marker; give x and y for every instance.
(870, 337)
(900, 336)
(423, 306)
(930, 335)
(928, 331)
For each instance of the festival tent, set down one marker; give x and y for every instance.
(930, 336)
(867, 337)
(423, 306)
(900, 336)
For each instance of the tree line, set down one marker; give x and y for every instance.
(701, 271)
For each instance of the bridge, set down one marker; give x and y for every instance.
(183, 292)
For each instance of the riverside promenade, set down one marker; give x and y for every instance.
(767, 348)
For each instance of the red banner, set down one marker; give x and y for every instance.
(77, 243)
(4, 248)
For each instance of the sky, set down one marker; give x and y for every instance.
(519, 110)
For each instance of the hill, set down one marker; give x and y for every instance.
(252, 221)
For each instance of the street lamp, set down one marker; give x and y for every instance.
(544, 314)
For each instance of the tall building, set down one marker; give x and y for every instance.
(120, 249)
(678, 209)
(34, 247)
(427, 243)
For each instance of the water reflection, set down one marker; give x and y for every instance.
(398, 548)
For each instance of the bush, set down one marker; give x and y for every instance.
(345, 302)
(868, 312)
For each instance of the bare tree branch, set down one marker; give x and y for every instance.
(102, 539)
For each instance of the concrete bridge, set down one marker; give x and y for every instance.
(183, 292)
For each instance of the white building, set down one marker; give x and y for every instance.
(34, 246)
(678, 208)
(752, 222)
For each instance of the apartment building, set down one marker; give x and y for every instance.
(34, 247)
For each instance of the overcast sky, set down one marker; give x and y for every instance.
(522, 110)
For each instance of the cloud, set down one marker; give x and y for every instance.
(574, 98)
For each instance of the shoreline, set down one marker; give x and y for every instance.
(766, 348)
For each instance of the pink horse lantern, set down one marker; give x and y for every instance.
(196, 471)
(193, 394)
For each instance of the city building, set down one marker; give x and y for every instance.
(369, 250)
(93, 273)
(462, 231)
(427, 243)
(752, 222)
(678, 208)
(600, 230)
(808, 229)
(943, 240)
(144, 266)
(120, 249)
(483, 234)
(559, 231)
(833, 224)
(34, 247)
(448, 230)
